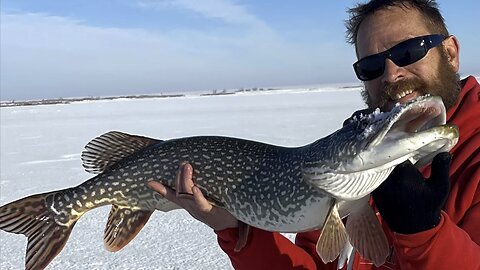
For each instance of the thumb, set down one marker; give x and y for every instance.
(441, 166)
(439, 179)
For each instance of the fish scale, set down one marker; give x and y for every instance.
(271, 187)
(237, 182)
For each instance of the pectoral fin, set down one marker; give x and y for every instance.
(333, 237)
(343, 186)
(345, 256)
(366, 234)
(243, 233)
(123, 225)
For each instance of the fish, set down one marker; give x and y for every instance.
(271, 187)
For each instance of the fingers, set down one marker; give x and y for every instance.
(403, 176)
(190, 197)
(182, 195)
(440, 177)
(441, 165)
(408, 174)
(399, 175)
(186, 195)
(166, 192)
(201, 202)
(183, 180)
(158, 187)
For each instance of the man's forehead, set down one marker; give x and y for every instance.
(388, 27)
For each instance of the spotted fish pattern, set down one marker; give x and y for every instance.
(283, 189)
(259, 183)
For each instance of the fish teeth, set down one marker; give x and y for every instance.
(402, 94)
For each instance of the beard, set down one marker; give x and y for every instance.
(446, 85)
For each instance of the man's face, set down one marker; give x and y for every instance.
(435, 74)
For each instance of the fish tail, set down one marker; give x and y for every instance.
(32, 217)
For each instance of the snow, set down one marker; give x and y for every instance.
(41, 146)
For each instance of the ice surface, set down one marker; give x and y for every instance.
(41, 146)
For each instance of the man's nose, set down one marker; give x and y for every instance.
(392, 72)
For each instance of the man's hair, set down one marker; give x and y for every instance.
(428, 8)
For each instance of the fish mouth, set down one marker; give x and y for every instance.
(417, 115)
(419, 126)
(414, 131)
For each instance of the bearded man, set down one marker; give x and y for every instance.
(430, 216)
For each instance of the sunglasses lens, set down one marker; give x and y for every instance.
(370, 68)
(408, 52)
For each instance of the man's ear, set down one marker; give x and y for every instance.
(452, 48)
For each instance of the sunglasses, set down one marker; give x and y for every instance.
(403, 54)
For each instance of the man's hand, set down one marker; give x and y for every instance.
(409, 203)
(190, 197)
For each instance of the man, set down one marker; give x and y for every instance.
(404, 51)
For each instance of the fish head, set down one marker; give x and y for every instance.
(366, 150)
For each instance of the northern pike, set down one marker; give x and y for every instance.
(275, 188)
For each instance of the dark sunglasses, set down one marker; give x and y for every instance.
(404, 53)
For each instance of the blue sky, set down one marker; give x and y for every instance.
(52, 48)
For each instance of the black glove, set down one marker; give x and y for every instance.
(409, 203)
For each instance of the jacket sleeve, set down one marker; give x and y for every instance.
(268, 250)
(444, 247)
(455, 242)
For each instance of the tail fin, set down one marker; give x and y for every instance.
(31, 216)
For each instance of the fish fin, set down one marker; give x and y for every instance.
(31, 217)
(333, 237)
(123, 225)
(366, 234)
(345, 255)
(107, 149)
(342, 186)
(243, 233)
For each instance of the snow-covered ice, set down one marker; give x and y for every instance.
(41, 146)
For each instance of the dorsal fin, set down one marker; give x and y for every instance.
(107, 149)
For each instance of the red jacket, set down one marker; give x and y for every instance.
(453, 244)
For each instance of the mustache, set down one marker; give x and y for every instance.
(392, 89)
